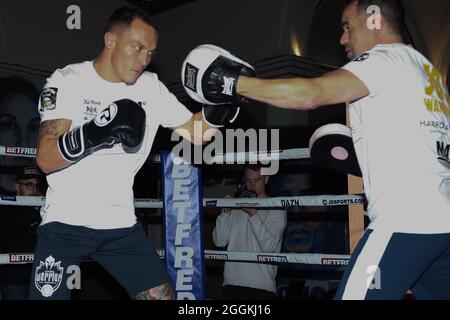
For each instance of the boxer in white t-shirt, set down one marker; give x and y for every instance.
(98, 122)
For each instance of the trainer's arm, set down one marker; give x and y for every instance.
(304, 93)
(48, 156)
(196, 130)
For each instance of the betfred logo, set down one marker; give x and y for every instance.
(215, 256)
(334, 262)
(278, 259)
(21, 150)
(20, 258)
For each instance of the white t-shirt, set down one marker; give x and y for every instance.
(96, 191)
(401, 133)
(262, 232)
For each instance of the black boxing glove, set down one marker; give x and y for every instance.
(210, 75)
(122, 122)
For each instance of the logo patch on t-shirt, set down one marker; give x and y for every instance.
(48, 276)
(48, 98)
(443, 154)
(190, 77)
(362, 57)
(106, 116)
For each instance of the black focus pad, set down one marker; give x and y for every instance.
(331, 146)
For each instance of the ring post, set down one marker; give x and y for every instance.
(183, 220)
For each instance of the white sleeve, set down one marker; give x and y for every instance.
(221, 232)
(378, 69)
(269, 233)
(56, 98)
(173, 113)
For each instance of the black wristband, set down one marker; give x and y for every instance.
(71, 145)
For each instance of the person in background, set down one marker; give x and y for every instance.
(251, 230)
(18, 234)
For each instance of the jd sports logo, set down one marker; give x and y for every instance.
(190, 77)
(106, 116)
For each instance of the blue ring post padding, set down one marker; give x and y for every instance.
(183, 221)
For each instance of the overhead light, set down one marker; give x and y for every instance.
(295, 44)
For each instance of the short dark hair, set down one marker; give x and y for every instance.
(124, 16)
(392, 10)
(255, 166)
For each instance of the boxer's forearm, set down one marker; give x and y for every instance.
(196, 130)
(207, 130)
(48, 156)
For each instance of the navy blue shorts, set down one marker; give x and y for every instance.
(385, 265)
(126, 253)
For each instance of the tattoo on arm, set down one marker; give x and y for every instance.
(49, 127)
(162, 292)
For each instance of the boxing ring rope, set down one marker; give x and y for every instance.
(277, 202)
(221, 158)
(226, 158)
(221, 255)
